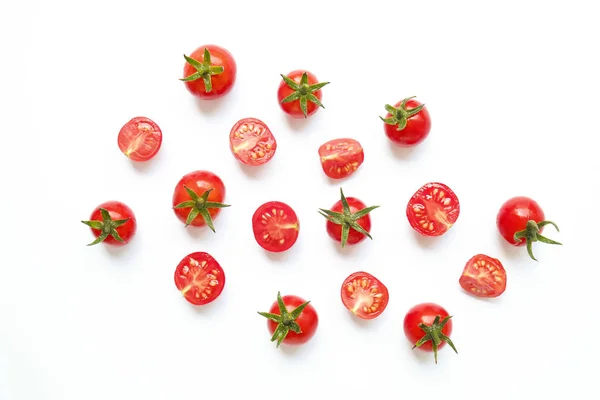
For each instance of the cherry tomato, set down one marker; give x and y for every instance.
(197, 198)
(299, 94)
(209, 72)
(348, 221)
(291, 320)
(275, 226)
(341, 157)
(364, 295)
(483, 276)
(140, 139)
(521, 221)
(407, 123)
(199, 278)
(433, 209)
(252, 142)
(428, 327)
(113, 223)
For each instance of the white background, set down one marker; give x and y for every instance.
(512, 90)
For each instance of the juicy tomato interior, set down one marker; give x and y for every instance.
(140, 139)
(252, 142)
(364, 295)
(275, 226)
(483, 276)
(433, 209)
(200, 278)
(341, 157)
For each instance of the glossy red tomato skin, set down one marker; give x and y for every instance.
(364, 295)
(340, 158)
(140, 139)
(417, 128)
(251, 142)
(483, 276)
(308, 320)
(513, 216)
(293, 107)
(199, 181)
(335, 231)
(221, 83)
(279, 221)
(425, 313)
(117, 210)
(200, 278)
(433, 209)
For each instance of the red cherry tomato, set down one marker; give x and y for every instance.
(433, 209)
(275, 226)
(140, 139)
(252, 142)
(198, 197)
(428, 327)
(521, 221)
(341, 157)
(291, 320)
(199, 278)
(209, 72)
(483, 276)
(407, 123)
(299, 94)
(364, 295)
(112, 223)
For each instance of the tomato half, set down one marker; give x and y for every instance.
(198, 197)
(483, 276)
(341, 157)
(199, 278)
(275, 226)
(407, 123)
(291, 320)
(209, 72)
(140, 139)
(521, 222)
(300, 94)
(252, 142)
(113, 223)
(433, 209)
(428, 327)
(364, 295)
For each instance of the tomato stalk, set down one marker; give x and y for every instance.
(346, 219)
(400, 115)
(199, 206)
(303, 92)
(434, 334)
(531, 234)
(107, 226)
(204, 70)
(286, 321)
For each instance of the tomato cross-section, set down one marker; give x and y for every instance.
(433, 209)
(140, 139)
(252, 142)
(199, 278)
(483, 276)
(275, 226)
(364, 295)
(340, 158)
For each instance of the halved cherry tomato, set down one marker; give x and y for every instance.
(112, 223)
(209, 72)
(433, 209)
(300, 94)
(341, 157)
(140, 139)
(291, 320)
(483, 276)
(252, 142)
(200, 278)
(364, 295)
(275, 226)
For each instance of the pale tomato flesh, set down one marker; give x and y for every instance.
(199, 278)
(140, 139)
(364, 295)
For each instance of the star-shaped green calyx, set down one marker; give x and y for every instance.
(346, 219)
(107, 227)
(399, 116)
(286, 321)
(531, 234)
(303, 92)
(434, 334)
(199, 206)
(204, 70)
